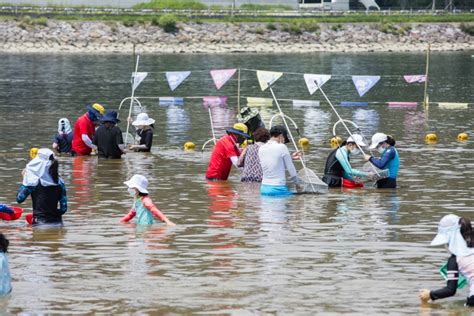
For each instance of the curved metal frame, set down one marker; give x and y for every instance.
(291, 120)
(128, 98)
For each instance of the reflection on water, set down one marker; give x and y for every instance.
(233, 251)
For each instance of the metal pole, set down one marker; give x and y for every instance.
(425, 96)
(131, 99)
(238, 92)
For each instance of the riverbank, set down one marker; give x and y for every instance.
(54, 36)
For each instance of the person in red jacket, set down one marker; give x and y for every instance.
(226, 153)
(84, 130)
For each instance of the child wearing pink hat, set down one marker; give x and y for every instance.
(143, 208)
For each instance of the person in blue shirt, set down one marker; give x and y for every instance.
(41, 180)
(389, 159)
(62, 142)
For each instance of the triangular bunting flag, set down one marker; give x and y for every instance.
(267, 77)
(175, 78)
(311, 81)
(137, 78)
(364, 83)
(415, 78)
(221, 76)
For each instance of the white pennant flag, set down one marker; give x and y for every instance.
(312, 79)
(266, 78)
(364, 83)
(137, 78)
(175, 78)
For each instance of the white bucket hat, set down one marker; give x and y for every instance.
(143, 119)
(377, 139)
(358, 139)
(138, 182)
(449, 233)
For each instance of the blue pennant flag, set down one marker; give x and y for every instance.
(175, 78)
(364, 83)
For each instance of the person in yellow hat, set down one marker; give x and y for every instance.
(84, 130)
(226, 153)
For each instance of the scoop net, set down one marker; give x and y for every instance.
(311, 183)
(378, 174)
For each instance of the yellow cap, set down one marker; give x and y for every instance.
(99, 108)
(241, 127)
(33, 152)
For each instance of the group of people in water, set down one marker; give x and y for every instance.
(260, 154)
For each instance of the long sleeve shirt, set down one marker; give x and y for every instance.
(275, 159)
(452, 282)
(342, 155)
(389, 159)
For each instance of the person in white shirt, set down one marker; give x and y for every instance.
(275, 159)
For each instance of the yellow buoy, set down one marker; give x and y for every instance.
(33, 152)
(336, 141)
(463, 137)
(431, 138)
(303, 141)
(189, 146)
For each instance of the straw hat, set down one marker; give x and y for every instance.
(143, 119)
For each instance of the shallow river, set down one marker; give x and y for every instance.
(232, 251)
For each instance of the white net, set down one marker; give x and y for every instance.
(378, 174)
(310, 182)
(130, 140)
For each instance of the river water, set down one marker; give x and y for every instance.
(232, 251)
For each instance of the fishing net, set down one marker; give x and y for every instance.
(310, 182)
(378, 174)
(130, 140)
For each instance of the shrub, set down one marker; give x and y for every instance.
(259, 30)
(168, 22)
(292, 28)
(336, 27)
(467, 28)
(271, 27)
(310, 27)
(172, 4)
(26, 21)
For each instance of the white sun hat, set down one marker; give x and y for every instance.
(377, 139)
(446, 227)
(138, 182)
(358, 139)
(143, 119)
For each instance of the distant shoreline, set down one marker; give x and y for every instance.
(221, 38)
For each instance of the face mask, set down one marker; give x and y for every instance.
(132, 191)
(355, 152)
(381, 149)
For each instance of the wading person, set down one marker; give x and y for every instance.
(226, 153)
(144, 128)
(251, 118)
(84, 130)
(108, 137)
(62, 142)
(456, 235)
(389, 159)
(252, 170)
(338, 171)
(41, 180)
(5, 278)
(275, 159)
(143, 207)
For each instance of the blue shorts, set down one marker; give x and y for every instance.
(275, 190)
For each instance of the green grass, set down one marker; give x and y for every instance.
(172, 4)
(263, 7)
(468, 28)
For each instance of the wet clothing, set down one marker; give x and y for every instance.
(144, 210)
(275, 159)
(249, 160)
(84, 125)
(45, 202)
(275, 190)
(146, 138)
(338, 166)
(5, 277)
(64, 142)
(388, 160)
(456, 265)
(107, 141)
(220, 162)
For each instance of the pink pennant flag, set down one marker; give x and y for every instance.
(221, 76)
(212, 101)
(415, 78)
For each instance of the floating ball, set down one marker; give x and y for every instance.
(33, 152)
(336, 141)
(189, 146)
(463, 137)
(303, 141)
(431, 138)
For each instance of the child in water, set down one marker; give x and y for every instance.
(143, 207)
(62, 141)
(5, 278)
(456, 234)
